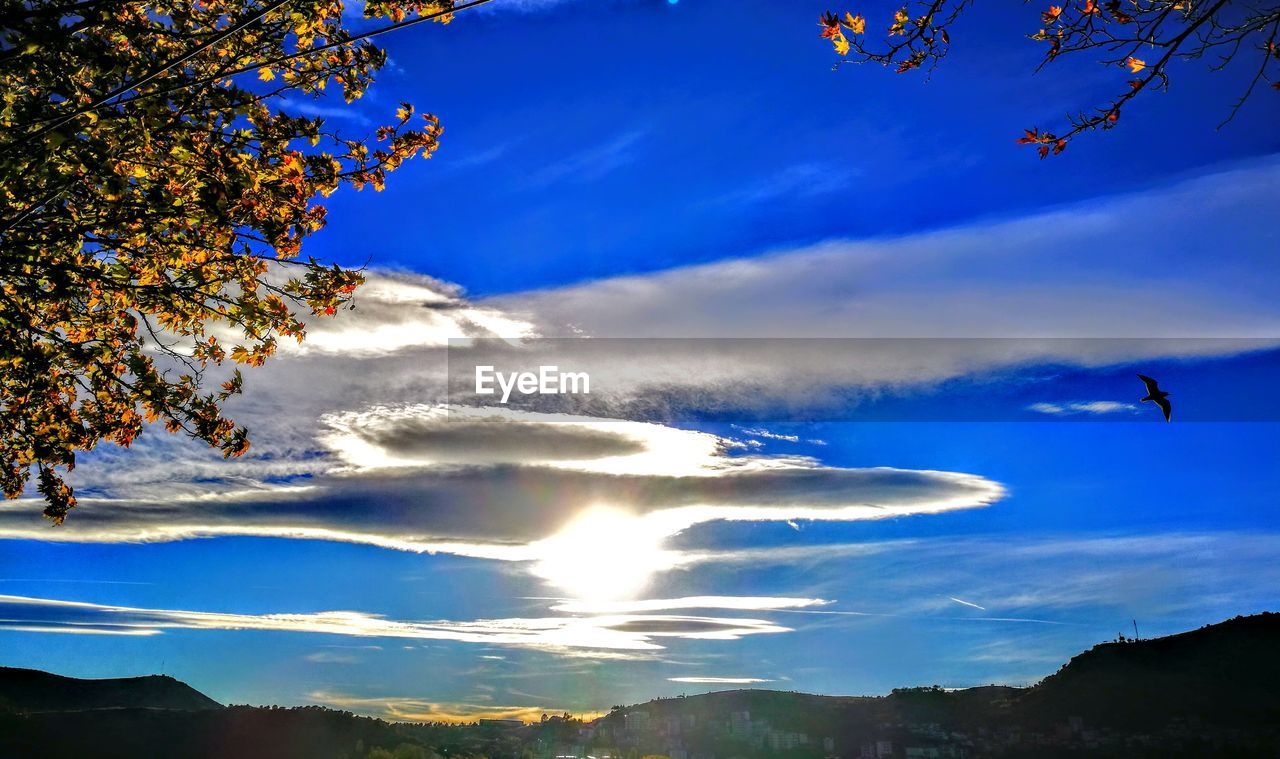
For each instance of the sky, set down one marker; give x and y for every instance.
(812, 460)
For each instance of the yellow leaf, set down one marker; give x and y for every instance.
(1135, 64)
(266, 74)
(856, 24)
(841, 44)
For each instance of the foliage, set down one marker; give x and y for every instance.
(155, 192)
(1140, 37)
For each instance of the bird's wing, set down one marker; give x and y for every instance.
(1152, 385)
(1165, 406)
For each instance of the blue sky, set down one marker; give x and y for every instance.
(641, 169)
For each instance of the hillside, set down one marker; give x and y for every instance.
(29, 690)
(1213, 689)
(1226, 673)
(237, 732)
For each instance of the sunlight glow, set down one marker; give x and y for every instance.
(604, 554)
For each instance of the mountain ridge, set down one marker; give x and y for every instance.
(33, 690)
(1211, 691)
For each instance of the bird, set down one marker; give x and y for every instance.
(1156, 396)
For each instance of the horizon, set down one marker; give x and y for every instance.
(592, 717)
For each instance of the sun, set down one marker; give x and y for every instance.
(604, 554)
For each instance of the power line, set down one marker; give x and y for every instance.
(310, 51)
(155, 73)
(126, 88)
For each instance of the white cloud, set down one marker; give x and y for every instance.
(397, 311)
(588, 507)
(606, 632)
(316, 107)
(737, 603)
(330, 657)
(590, 164)
(719, 680)
(766, 434)
(1126, 266)
(796, 182)
(1084, 407)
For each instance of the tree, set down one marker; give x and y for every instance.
(155, 193)
(1141, 37)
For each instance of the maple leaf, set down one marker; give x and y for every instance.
(841, 44)
(1135, 64)
(1052, 14)
(830, 24)
(856, 24)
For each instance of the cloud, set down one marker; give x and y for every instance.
(737, 603)
(1063, 578)
(797, 182)
(523, 6)
(398, 311)
(590, 164)
(353, 439)
(473, 158)
(766, 434)
(1084, 407)
(584, 634)
(719, 680)
(331, 657)
(410, 709)
(347, 112)
(1128, 266)
(588, 507)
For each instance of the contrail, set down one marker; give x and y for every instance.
(967, 603)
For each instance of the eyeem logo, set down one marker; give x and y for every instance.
(548, 380)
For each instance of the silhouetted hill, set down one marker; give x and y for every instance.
(1215, 690)
(29, 690)
(236, 732)
(1227, 673)
(1208, 692)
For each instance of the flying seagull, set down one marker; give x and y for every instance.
(1156, 396)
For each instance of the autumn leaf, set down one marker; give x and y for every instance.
(1052, 14)
(830, 24)
(1135, 64)
(855, 24)
(900, 19)
(841, 44)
